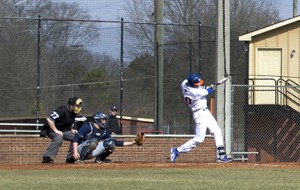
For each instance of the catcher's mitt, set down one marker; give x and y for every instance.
(140, 138)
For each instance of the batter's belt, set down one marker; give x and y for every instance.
(200, 109)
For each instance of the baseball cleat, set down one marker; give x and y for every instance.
(174, 154)
(47, 160)
(79, 162)
(98, 161)
(224, 160)
(70, 160)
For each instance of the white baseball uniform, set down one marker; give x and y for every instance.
(195, 98)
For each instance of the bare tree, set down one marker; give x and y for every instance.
(245, 15)
(181, 18)
(60, 64)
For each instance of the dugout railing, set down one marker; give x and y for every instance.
(14, 128)
(289, 95)
(286, 92)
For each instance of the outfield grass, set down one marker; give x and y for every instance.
(152, 179)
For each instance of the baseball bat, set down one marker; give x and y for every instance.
(221, 81)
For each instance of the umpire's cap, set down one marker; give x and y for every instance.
(75, 101)
(113, 108)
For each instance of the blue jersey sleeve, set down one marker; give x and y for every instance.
(106, 135)
(83, 132)
(118, 143)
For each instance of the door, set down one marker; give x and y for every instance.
(268, 70)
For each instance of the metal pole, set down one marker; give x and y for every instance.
(199, 48)
(156, 87)
(155, 47)
(38, 72)
(121, 76)
(223, 94)
(190, 58)
(228, 91)
(190, 54)
(220, 99)
(295, 3)
(159, 11)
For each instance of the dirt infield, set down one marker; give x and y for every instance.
(128, 165)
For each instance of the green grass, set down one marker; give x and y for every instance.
(152, 179)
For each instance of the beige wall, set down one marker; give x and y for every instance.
(287, 39)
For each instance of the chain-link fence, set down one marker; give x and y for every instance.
(265, 122)
(46, 61)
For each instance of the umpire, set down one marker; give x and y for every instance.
(112, 121)
(59, 127)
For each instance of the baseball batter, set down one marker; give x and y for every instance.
(194, 95)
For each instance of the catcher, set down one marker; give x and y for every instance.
(101, 158)
(93, 140)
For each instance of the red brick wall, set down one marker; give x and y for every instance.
(29, 150)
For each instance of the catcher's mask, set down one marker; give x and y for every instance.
(194, 79)
(77, 103)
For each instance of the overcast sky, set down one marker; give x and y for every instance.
(108, 9)
(286, 8)
(113, 10)
(105, 10)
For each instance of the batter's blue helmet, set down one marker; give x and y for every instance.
(194, 79)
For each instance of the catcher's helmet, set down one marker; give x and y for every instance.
(98, 116)
(194, 79)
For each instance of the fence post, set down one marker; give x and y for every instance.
(121, 76)
(38, 72)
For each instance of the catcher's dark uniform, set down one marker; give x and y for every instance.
(90, 132)
(63, 119)
(93, 141)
